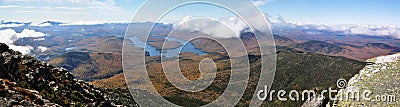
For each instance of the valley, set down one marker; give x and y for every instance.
(191, 53)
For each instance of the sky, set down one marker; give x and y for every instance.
(379, 12)
(336, 11)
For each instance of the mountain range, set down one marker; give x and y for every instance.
(93, 53)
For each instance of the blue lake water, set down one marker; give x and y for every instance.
(188, 47)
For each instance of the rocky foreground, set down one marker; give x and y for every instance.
(382, 77)
(26, 81)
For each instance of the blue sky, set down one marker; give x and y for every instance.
(336, 11)
(313, 11)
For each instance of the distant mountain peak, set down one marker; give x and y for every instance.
(54, 23)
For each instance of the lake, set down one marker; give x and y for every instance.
(186, 47)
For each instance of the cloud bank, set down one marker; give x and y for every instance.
(349, 29)
(96, 22)
(223, 28)
(9, 36)
(42, 48)
(11, 25)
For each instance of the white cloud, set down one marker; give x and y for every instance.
(376, 30)
(92, 22)
(9, 36)
(361, 30)
(183, 20)
(39, 39)
(351, 29)
(29, 33)
(42, 48)
(11, 25)
(223, 28)
(372, 30)
(23, 49)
